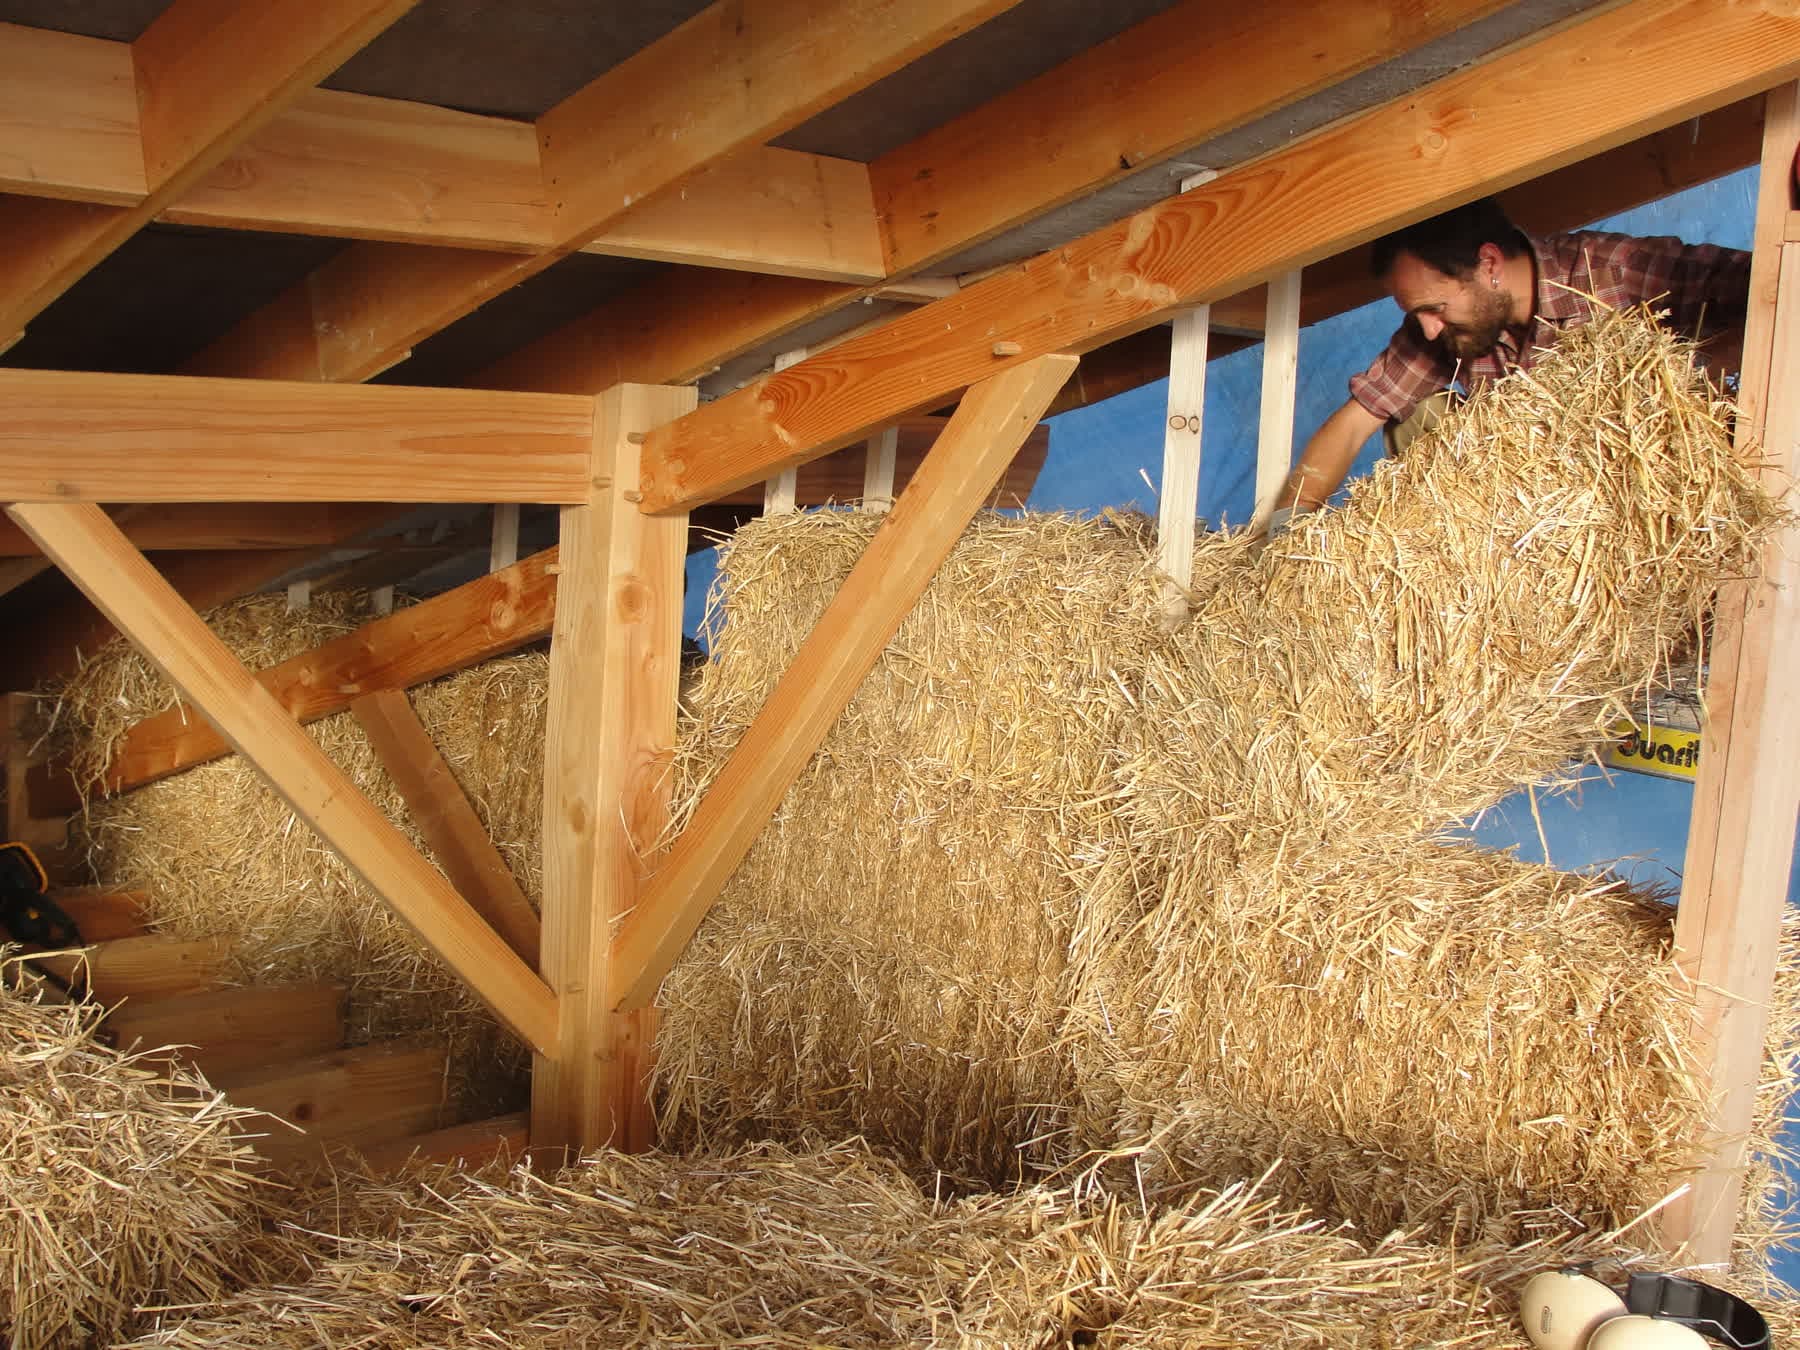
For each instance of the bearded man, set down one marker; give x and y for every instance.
(1482, 298)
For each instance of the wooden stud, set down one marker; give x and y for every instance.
(779, 491)
(444, 816)
(1178, 504)
(913, 541)
(299, 597)
(1284, 210)
(614, 666)
(1281, 365)
(1741, 840)
(161, 438)
(487, 617)
(503, 551)
(90, 549)
(879, 463)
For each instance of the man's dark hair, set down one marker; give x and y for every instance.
(1451, 242)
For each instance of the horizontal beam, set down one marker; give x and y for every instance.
(90, 549)
(487, 617)
(1536, 108)
(71, 436)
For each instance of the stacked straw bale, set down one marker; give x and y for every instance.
(219, 854)
(122, 1182)
(1059, 882)
(772, 1246)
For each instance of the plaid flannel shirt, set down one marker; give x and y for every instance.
(1702, 286)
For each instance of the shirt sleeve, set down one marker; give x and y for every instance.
(1703, 287)
(1408, 370)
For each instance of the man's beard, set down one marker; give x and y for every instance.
(1478, 337)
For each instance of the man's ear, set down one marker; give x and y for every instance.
(1488, 262)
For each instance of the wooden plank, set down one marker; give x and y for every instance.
(90, 549)
(213, 527)
(148, 967)
(1741, 840)
(72, 436)
(227, 1031)
(68, 118)
(779, 491)
(453, 831)
(1537, 107)
(914, 539)
(103, 913)
(1281, 368)
(1128, 103)
(466, 1146)
(1178, 503)
(489, 616)
(354, 1098)
(614, 665)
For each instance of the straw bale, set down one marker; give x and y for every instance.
(123, 1182)
(834, 1245)
(219, 854)
(1059, 880)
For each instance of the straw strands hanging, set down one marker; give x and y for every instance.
(770, 1246)
(122, 1180)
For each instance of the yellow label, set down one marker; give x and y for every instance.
(1667, 752)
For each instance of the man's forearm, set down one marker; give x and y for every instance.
(1327, 458)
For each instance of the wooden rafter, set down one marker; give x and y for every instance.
(73, 436)
(89, 547)
(732, 78)
(210, 526)
(914, 539)
(1480, 129)
(207, 74)
(614, 664)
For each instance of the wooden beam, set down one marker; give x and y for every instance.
(614, 665)
(162, 438)
(444, 816)
(668, 330)
(1128, 103)
(880, 465)
(69, 118)
(1741, 840)
(1280, 372)
(208, 74)
(212, 527)
(914, 539)
(489, 616)
(89, 547)
(1478, 130)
